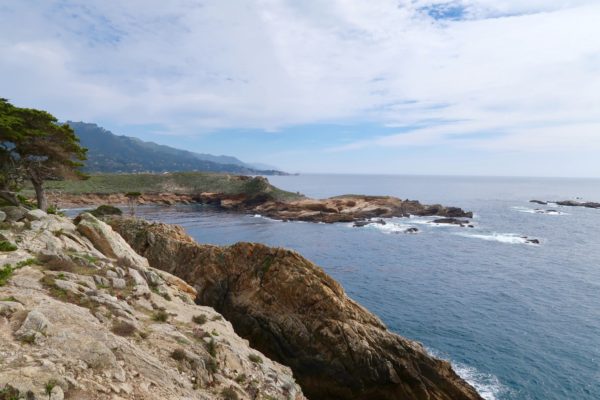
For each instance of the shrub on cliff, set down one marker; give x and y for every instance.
(7, 246)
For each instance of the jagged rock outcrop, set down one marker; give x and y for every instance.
(83, 316)
(295, 313)
(349, 208)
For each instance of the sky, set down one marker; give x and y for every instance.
(445, 87)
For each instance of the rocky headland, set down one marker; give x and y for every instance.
(293, 312)
(85, 317)
(255, 195)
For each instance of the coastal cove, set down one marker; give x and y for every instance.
(518, 321)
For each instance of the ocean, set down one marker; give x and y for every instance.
(517, 320)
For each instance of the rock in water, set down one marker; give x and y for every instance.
(291, 310)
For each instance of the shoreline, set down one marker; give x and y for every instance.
(346, 208)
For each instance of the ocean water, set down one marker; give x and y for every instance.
(518, 321)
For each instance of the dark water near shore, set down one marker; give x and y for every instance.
(519, 321)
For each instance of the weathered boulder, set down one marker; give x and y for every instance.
(296, 314)
(104, 239)
(33, 327)
(14, 213)
(2, 216)
(35, 214)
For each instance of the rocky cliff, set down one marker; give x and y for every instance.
(296, 314)
(83, 316)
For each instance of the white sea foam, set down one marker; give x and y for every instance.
(266, 218)
(390, 227)
(429, 222)
(538, 211)
(511, 238)
(487, 385)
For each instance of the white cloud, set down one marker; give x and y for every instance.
(525, 71)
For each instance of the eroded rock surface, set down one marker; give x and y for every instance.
(83, 316)
(295, 313)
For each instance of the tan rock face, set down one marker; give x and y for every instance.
(85, 317)
(296, 314)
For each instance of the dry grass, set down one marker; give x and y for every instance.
(123, 328)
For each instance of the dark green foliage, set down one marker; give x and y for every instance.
(211, 347)
(178, 354)
(255, 358)
(29, 339)
(6, 272)
(7, 246)
(104, 210)
(37, 148)
(49, 386)
(160, 316)
(24, 263)
(10, 393)
(199, 319)
(187, 182)
(123, 328)
(229, 394)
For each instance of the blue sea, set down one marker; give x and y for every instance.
(518, 321)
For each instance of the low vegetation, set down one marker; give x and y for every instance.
(123, 328)
(178, 354)
(229, 394)
(178, 182)
(5, 273)
(255, 358)
(199, 319)
(7, 246)
(160, 316)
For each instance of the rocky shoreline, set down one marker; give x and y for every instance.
(90, 311)
(568, 203)
(348, 208)
(291, 310)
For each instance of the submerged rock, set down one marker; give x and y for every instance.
(538, 202)
(291, 310)
(451, 221)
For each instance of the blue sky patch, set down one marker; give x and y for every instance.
(446, 11)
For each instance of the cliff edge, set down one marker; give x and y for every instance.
(291, 310)
(83, 316)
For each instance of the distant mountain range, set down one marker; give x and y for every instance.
(108, 152)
